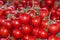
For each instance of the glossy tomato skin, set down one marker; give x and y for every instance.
(17, 33)
(2, 20)
(53, 28)
(16, 23)
(52, 37)
(32, 38)
(58, 12)
(24, 2)
(24, 18)
(35, 31)
(45, 23)
(4, 32)
(54, 17)
(7, 24)
(32, 12)
(58, 22)
(26, 29)
(36, 21)
(49, 2)
(42, 34)
(53, 10)
(44, 12)
(28, 37)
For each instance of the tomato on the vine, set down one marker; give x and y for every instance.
(53, 28)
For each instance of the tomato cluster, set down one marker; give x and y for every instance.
(29, 19)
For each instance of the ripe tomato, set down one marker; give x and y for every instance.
(54, 17)
(6, 12)
(2, 20)
(58, 12)
(52, 37)
(26, 29)
(49, 2)
(32, 13)
(53, 28)
(24, 18)
(53, 11)
(45, 23)
(4, 32)
(44, 13)
(35, 31)
(7, 24)
(28, 37)
(16, 23)
(24, 2)
(1, 12)
(36, 21)
(17, 33)
(42, 34)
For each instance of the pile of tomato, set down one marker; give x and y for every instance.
(29, 19)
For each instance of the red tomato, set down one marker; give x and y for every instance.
(58, 12)
(58, 22)
(53, 28)
(35, 31)
(2, 20)
(7, 24)
(16, 23)
(24, 18)
(28, 37)
(6, 12)
(53, 11)
(36, 21)
(32, 13)
(45, 23)
(52, 37)
(44, 13)
(17, 33)
(49, 2)
(55, 17)
(42, 34)
(24, 1)
(26, 29)
(4, 32)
